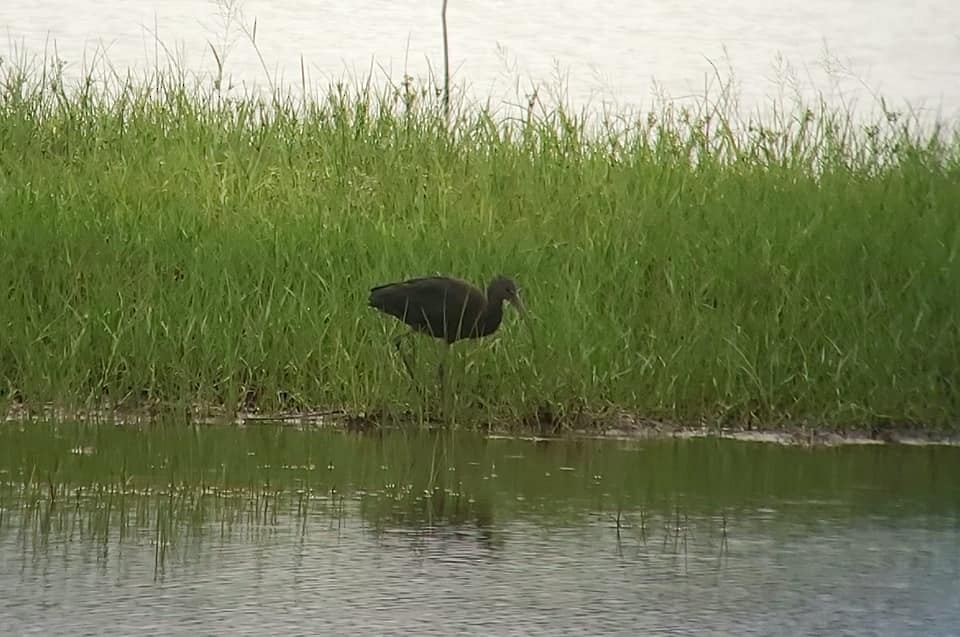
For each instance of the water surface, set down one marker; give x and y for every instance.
(267, 530)
(616, 52)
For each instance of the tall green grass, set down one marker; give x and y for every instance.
(164, 244)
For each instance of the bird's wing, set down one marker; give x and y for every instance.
(437, 298)
(435, 301)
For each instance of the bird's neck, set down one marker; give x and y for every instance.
(491, 317)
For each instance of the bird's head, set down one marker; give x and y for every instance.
(502, 288)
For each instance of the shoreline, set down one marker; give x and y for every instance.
(623, 427)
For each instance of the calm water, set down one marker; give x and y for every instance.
(614, 51)
(267, 530)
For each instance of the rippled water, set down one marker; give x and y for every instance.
(604, 51)
(173, 530)
(868, 577)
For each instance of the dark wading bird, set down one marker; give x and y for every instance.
(445, 308)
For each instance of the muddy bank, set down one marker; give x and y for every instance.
(619, 426)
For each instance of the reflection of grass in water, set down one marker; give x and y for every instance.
(169, 487)
(547, 481)
(165, 518)
(168, 519)
(47, 512)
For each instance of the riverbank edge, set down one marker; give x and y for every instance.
(618, 426)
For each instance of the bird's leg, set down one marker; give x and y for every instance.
(397, 342)
(443, 360)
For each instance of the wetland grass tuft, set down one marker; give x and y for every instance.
(168, 245)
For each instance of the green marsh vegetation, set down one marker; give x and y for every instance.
(164, 244)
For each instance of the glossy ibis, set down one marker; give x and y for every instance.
(446, 308)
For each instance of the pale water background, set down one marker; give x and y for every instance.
(617, 54)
